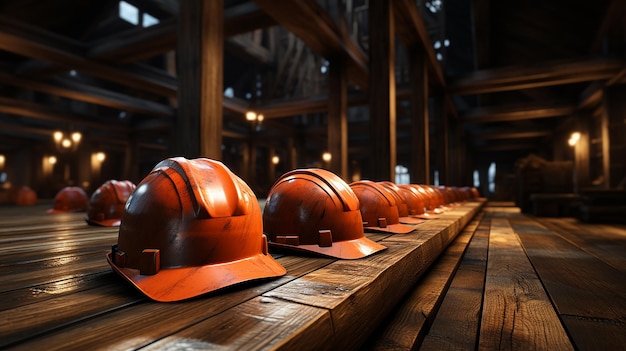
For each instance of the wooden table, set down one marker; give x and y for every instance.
(58, 292)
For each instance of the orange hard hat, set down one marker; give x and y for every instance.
(403, 208)
(191, 227)
(25, 196)
(106, 204)
(378, 208)
(316, 211)
(70, 199)
(431, 202)
(475, 193)
(413, 198)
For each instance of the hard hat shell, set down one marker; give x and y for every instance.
(70, 199)
(313, 210)
(430, 202)
(403, 208)
(106, 204)
(413, 198)
(475, 193)
(378, 208)
(189, 228)
(25, 196)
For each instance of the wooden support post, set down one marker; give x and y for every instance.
(131, 160)
(382, 91)
(271, 167)
(292, 154)
(200, 72)
(443, 155)
(420, 148)
(338, 117)
(582, 151)
(615, 105)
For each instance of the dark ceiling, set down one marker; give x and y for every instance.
(513, 70)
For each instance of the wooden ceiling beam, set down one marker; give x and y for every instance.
(18, 38)
(512, 135)
(315, 27)
(526, 77)
(505, 147)
(90, 94)
(516, 113)
(45, 113)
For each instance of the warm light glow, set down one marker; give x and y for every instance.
(101, 156)
(573, 139)
(2, 159)
(66, 143)
(327, 156)
(76, 136)
(57, 136)
(260, 118)
(275, 160)
(52, 160)
(250, 115)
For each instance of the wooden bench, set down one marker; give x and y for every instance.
(57, 292)
(522, 283)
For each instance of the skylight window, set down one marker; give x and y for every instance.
(149, 20)
(129, 13)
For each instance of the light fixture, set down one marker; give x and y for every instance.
(275, 160)
(255, 118)
(66, 142)
(101, 156)
(327, 156)
(251, 116)
(573, 139)
(52, 160)
(2, 160)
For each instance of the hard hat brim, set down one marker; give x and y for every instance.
(392, 228)
(345, 249)
(113, 222)
(427, 216)
(411, 220)
(55, 211)
(183, 283)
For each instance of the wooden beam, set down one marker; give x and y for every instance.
(382, 92)
(90, 94)
(21, 39)
(513, 135)
(412, 30)
(516, 113)
(526, 77)
(200, 66)
(337, 129)
(505, 147)
(615, 11)
(420, 130)
(45, 113)
(310, 22)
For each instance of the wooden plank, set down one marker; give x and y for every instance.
(457, 322)
(407, 325)
(516, 113)
(360, 293)
(607, 243)
(580, 285)
(420, 130)
(127, 319)
(259, 324)
(517, 313)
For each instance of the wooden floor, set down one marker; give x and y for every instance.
(480, 277)
(512, 281)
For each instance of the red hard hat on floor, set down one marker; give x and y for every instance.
(189, 228)
(106, 204)
(378, 208)
(70, 199)
(25, 196)
(316, 211)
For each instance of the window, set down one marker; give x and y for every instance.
(129, 13)
(476, 179)
(436, 178)
(491, 173)
(149, 20)
(402, 175)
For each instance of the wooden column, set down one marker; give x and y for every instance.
(200, 76)
(615, 105)
(581, 151)
(292, 154)
(131, 160)
(382, 91)
(420, 148)
(338, 117)
(443, 155)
